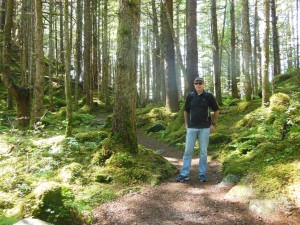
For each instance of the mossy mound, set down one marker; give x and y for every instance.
(51, 202)
(146, 166)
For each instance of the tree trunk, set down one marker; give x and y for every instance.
(95, 70)
(265, 54)
(67, 47)
(38, 92)
(192, 47)
(78, 51)
(216, 56)
(51, 55)
(2, 14)
(20, 94)
(246, 50)
(277, 66)
(172, 102)
(61, 25)
(124, 115)
(233, 70)
(255, 51)
(157, 77)
(105, 57)
(162, 54)
(87, 51)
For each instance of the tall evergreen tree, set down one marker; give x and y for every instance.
(124, 115)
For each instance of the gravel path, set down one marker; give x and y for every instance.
(185, 203)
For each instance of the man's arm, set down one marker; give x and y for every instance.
(215, 117)
(214, 120)
(186, 117)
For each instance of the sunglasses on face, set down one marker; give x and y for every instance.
(200, 83)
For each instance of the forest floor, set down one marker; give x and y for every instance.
(190, 202)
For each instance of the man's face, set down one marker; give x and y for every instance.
(199, 85)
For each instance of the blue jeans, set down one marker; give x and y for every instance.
(191, 137)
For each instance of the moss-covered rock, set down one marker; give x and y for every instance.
(52, 203)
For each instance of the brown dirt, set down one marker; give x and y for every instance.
(191, 202)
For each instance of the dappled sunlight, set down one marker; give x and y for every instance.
(49, 141)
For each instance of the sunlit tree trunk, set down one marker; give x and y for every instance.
(233, 70)
(105, 55)
(276, 51)
(78, 51)
(265, 53)
(246, 50)
(124, 115)
(216, 55)
(192, 47)
(61, 32)
(172, 102)
(38, 92)
(67, 47)
(51, 55)
(255, 51)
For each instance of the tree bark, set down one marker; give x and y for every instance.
(51, 55)
(172, 102)
(255, 51)
(192, 47)
(233, 70)
(157, 78)
(67, 47)
(78, 51)
(105, 56)
(216, 52)
(277, 66)
(2, 14)
(124, 115)
(265, 54)
(246, 50)
(87, 51)
(38, 92)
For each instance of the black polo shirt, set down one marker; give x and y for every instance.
(198, 107)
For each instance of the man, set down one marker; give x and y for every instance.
(199, 125)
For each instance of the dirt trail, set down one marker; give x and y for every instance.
(185, 203)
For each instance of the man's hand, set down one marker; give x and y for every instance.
(212, 128)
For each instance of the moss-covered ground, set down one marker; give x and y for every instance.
(86, 176)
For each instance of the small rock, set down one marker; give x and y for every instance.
(31, 221)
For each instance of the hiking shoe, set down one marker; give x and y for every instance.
(202, 178)
(182, 178)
